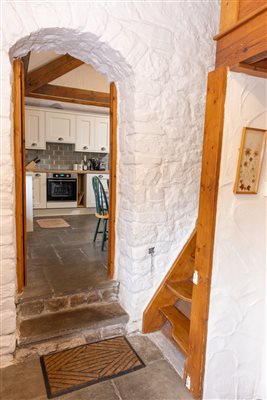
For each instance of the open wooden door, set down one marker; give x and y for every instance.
(112, 179)
(20, 174)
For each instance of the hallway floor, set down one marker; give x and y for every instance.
(64, 260)
(157, 381)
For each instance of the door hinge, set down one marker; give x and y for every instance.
(195, 277)
(188, 382)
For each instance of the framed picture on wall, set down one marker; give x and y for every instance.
(250, 161)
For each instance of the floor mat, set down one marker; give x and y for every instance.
(52, 223)
(69, 370)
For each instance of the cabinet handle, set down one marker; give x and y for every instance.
(103, 148)
(37, 174)
(60, 139)
(85, 147)
(34, 144)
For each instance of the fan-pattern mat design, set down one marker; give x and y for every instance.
(72, 369)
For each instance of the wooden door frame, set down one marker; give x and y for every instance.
(20, 173)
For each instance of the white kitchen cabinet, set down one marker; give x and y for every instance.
(102, 134)
(39, 190)
(90, 196)
(60, 127)
(85, 133)
(34, 129)
(29, 205)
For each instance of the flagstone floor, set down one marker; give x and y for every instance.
(157, 381)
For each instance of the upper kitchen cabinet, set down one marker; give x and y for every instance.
(34, 129)
(60, 127)
(85, 133)
(102, 134)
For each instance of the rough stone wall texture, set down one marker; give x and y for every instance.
(158, 54)
(235, 359)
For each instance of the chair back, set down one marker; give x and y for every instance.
(101, 201)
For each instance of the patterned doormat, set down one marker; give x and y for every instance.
(52, 223)
(73, 369)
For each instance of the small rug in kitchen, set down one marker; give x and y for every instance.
(52, 223)
(76, 368)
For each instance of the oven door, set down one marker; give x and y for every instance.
(61, 189)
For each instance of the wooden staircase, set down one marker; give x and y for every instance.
(180, 308)
(176, 289)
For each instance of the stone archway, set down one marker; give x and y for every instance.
(79, 45)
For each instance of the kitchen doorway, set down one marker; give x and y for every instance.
(70, 245)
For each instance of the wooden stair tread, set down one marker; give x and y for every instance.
(183, 290)
(180, 326)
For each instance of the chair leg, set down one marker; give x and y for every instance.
(104, 234)
(96, 229)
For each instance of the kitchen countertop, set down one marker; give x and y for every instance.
(67, 171)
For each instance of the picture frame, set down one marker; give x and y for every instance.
(250, 161)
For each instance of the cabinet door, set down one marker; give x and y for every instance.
(85, 127)
(90, 196)
(60, 127)
(34, 129)
(39, 190)
(102, 134)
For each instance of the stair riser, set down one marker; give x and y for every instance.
(30, 309)
(69, 341)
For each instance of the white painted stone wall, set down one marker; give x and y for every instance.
(235, 359)
(159, 54)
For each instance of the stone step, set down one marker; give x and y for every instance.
(67, 329)
(31, 307)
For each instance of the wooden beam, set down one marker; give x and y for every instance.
(241, 22)
(51, 71)
(246, 7)
(250, 70)
(213, 132)
(261, 64)
(229, 13)
(257, 58)
(72, 95)
(19, 160)
(244, 40)
(112, 179)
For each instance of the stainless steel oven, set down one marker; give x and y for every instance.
(61, 190)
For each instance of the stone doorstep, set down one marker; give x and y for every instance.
(71, 322)
(28, 308)
(69, 341)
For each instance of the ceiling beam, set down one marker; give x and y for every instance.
(71, 95)
(48, 72)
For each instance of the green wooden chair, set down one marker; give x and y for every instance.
(102, 210)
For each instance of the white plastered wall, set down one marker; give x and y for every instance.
(235, 358)
(158, 54)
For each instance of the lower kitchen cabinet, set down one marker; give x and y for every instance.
(90, 196)
(39, 190)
